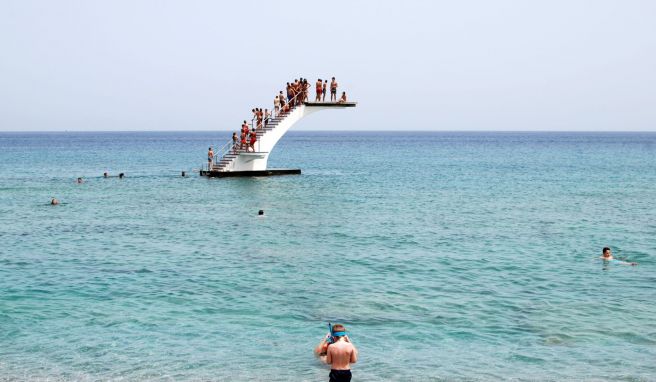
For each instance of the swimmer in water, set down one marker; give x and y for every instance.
(606, 255)
(80, 181)
(54, 202)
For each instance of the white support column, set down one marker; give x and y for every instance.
(257, 161)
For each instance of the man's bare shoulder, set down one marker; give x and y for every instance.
(340, 346)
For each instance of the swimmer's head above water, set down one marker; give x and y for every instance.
(606, 254)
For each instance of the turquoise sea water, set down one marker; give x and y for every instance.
(448, 256)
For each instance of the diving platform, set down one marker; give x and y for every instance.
(330, 104)
(267, 172)
(234, 161)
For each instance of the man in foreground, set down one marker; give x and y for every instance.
(337, 350)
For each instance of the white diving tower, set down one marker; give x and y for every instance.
(231, 160)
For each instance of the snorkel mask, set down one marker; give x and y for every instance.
(333, 334)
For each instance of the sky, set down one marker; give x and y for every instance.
(411, 65)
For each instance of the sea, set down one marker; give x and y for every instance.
(448, 256)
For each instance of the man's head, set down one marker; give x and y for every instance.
(333, 78)
(605, 252)
(339, 331)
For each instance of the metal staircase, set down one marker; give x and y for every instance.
(229, 152)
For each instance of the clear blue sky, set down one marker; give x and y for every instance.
(415, 65)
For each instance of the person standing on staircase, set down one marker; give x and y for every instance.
(289, 92)
(293, 88)
(276, 105)
(267, 117)
(253, 140)
(333, 90)
(259, 115)
(243, 144)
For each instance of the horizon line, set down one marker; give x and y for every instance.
(336, 131)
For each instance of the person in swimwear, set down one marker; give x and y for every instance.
(243, 141)
(235, 141)
(253, 140)
(295, 91)
(342, 98)
(333, 90)
(276, 105)
(306, 89)
(210, 157)
(319, 90)
(339, 354)
(606, 255)
(54, 202)
(244, 128)
(267, 117)
(323, 91)
(259, 115)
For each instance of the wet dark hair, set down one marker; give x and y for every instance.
(606, 249)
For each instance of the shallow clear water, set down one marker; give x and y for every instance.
(448, 256)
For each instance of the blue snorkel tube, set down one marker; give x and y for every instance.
(330, 338)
